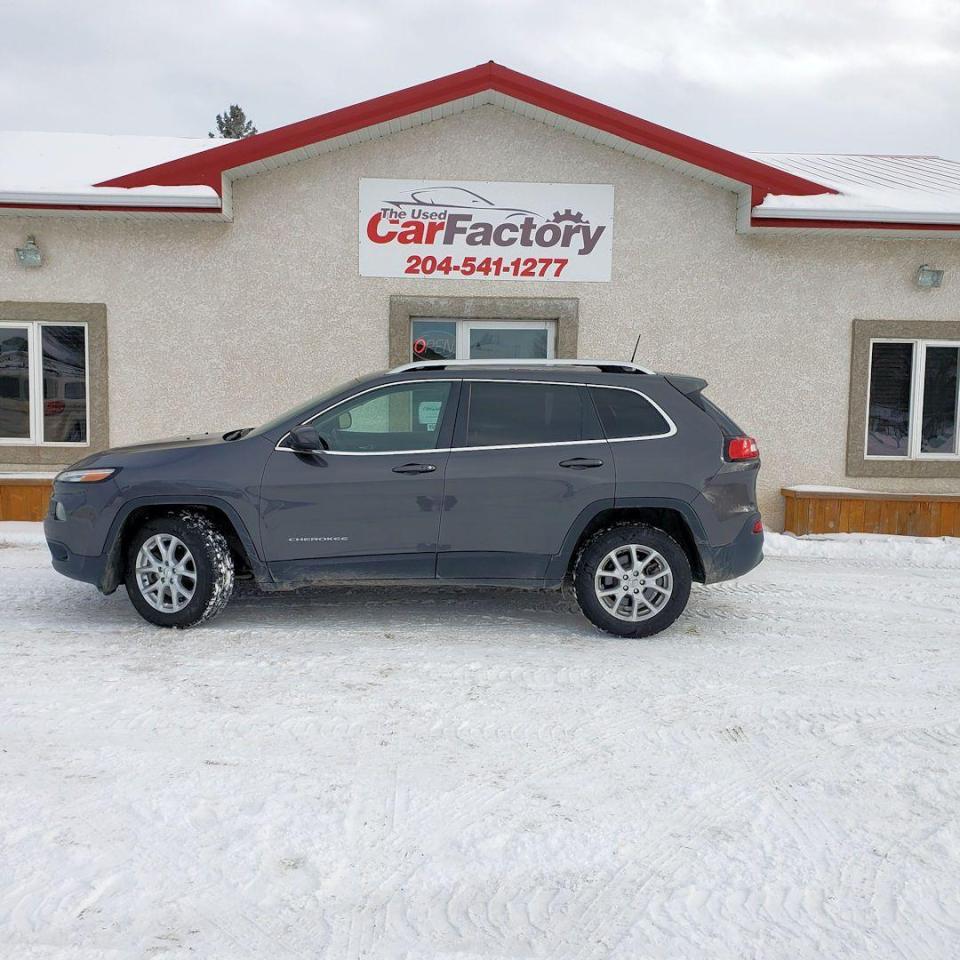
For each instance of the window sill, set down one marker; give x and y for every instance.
(896, 467)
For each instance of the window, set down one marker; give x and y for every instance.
(43, 384)
(508, 341)
(912, 399)
(406, 416)
(624, 413)
(447, 339)
(519, 413)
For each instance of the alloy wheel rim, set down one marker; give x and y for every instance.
(166, 573)
(633, 582)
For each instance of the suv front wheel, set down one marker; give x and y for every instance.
(632, 580)
(179, 570)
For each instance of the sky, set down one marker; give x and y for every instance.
(842, 76)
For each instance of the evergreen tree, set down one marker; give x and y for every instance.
(234, 124)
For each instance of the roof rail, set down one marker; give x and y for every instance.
(607, 366)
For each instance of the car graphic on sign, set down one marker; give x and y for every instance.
(457, 198)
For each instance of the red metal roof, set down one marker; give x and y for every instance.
(209, 166)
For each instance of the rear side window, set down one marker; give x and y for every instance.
(515, 413)
(727, 427)
(624, 413)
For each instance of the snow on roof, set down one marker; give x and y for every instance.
(62, 168)
(152, 175)
(906, 189)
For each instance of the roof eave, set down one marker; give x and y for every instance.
(891, 217)
(106, 200)
(869, 228)
(209, 167)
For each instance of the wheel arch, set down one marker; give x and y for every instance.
(245, 555)
(675, 517)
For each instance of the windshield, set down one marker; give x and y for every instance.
(300, 412)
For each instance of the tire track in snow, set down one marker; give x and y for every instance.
(366, 924)
(509, 906)
(609, 908)
(246, 934)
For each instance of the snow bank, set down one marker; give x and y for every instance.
(939, 552)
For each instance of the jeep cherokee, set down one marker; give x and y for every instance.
(623, 483)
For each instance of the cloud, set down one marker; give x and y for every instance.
(832, 75)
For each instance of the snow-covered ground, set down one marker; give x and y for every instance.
(430, 775)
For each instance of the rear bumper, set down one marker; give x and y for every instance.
(736, 558)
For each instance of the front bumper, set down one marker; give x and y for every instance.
(74, 565)
(736, 558)
(79, 541)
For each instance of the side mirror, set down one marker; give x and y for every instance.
(305, 439)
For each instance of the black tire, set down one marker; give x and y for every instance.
(212, 561)
(599, 546)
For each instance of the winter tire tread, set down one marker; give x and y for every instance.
(214, 565)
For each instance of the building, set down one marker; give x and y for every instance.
(195, 285)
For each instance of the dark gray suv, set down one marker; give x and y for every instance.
(623, 483)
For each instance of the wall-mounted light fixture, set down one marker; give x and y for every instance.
(29, 254)
(928, 278)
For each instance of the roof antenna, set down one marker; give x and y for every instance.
(636, 346)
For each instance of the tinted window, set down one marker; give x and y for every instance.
(404, 417)
(64, 384)
(624, 413)
(939, 423)
(888, 413)
(511, 413)
(433, 339)
(14, 383)
(727, 426)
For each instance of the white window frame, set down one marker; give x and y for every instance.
(34, 330)
(465, 325)
(915, 411)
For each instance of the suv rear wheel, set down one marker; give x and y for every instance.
(632, 580)
(179, 570)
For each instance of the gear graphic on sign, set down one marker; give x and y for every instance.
(568, 216)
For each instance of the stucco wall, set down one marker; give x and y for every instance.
(216, 325)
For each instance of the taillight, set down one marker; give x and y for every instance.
(742, 448)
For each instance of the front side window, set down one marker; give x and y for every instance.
(43, 384)
(912, 400)
(403, 417)
(505, 414)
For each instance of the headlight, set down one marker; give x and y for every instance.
(85, 476)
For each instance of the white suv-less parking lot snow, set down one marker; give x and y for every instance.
(389, 773)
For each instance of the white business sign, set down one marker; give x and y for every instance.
(482, 230)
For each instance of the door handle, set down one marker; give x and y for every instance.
(581, 463)
(415, 468)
